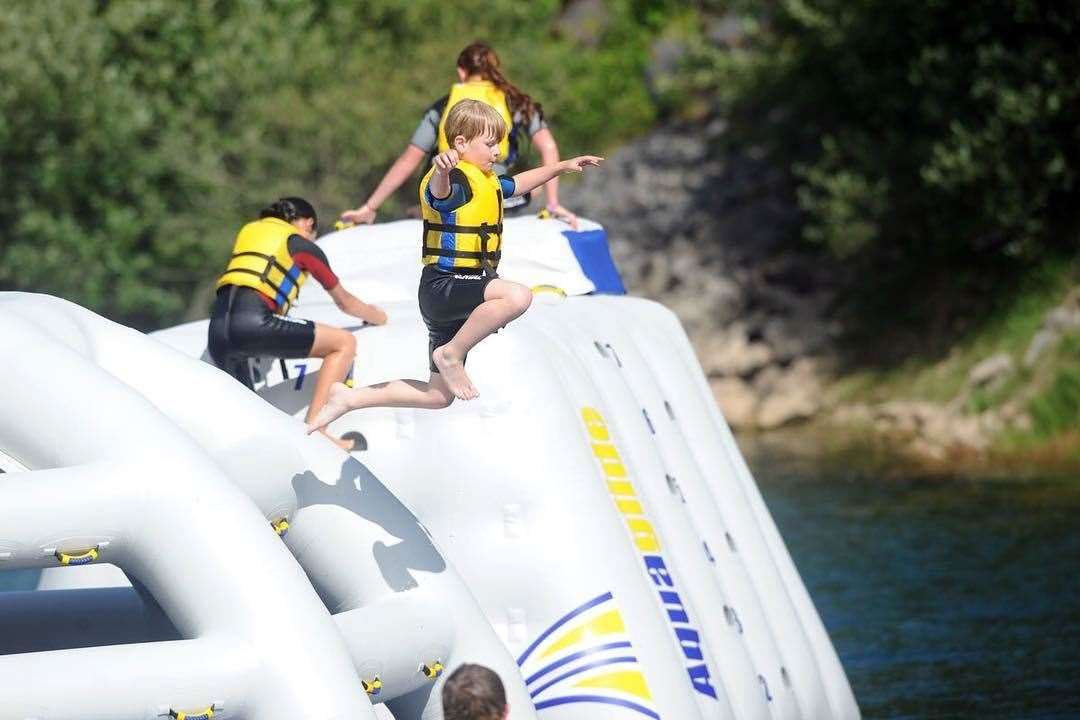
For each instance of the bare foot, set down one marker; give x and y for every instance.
(337, 404)
(453, 372)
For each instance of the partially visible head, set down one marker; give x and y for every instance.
(474, 129)
(295, 210)
(478, 60)
(474, 692)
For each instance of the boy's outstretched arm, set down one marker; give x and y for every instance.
(531, 179)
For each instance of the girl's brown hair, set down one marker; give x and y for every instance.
(480, 59)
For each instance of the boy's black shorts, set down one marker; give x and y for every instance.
(446, 299)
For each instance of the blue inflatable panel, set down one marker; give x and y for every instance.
(591, 250)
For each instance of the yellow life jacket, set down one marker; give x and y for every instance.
(471, 236)
(261, 260)
(484, 91)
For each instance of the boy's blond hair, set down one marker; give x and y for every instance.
(471, 119)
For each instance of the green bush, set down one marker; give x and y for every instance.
(932, 145)
(136, 136)
(1057, 409)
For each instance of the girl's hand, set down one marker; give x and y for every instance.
(560, 213)
(360, 216)
(445, 161)
(377, 316)
(580, 163)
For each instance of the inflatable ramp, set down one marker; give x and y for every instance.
(592, 498)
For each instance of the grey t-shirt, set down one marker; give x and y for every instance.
(426, 136)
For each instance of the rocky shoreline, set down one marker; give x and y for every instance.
(702, 229)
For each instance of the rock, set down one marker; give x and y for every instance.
(733, 354)
(787, 407)
(1066, 316)
(737, 401)
(990, 370)
(768, 378)
(1042, 341)
(1062, 319)
(795, 396)
(967, 432)
(922, 448)
(854, 414)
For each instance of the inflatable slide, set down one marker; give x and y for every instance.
(587, 527)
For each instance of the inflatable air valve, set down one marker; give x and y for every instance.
(281, 526)
(373, 686)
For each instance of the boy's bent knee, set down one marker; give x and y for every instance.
(521, 298)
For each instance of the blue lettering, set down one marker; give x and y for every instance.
(654, 565)
(699, 677)
(689, 638)
(690, 641)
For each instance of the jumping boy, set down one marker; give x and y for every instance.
(462, 299)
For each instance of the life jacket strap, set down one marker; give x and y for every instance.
(463, 254)
(481, 230)
(488, 260)
(271, 263)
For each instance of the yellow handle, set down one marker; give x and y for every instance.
(548, 289)
(201, 715)
(281, 526)
(342, 225)
(78, 558)
(432, 670)
(373, 686)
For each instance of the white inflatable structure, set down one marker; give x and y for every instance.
(592, 500)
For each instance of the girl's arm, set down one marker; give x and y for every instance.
(549, 155)
(544, 141)
(398, 173)
(352, 305)
(531, 179)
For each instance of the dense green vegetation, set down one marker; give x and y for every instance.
(933, 145)
(137, 135)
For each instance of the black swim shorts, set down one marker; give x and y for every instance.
(243, 326)
(446, 299)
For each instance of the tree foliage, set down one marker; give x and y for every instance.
(137, 135)
(925, 138)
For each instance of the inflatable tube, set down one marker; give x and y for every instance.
(679, 375)
(127, 487)
(404, 614)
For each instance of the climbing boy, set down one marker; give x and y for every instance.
(462, 298)
(474, 692)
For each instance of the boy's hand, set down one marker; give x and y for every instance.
(444, 161)
(579, 163)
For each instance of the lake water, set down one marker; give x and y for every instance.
(944, 598)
